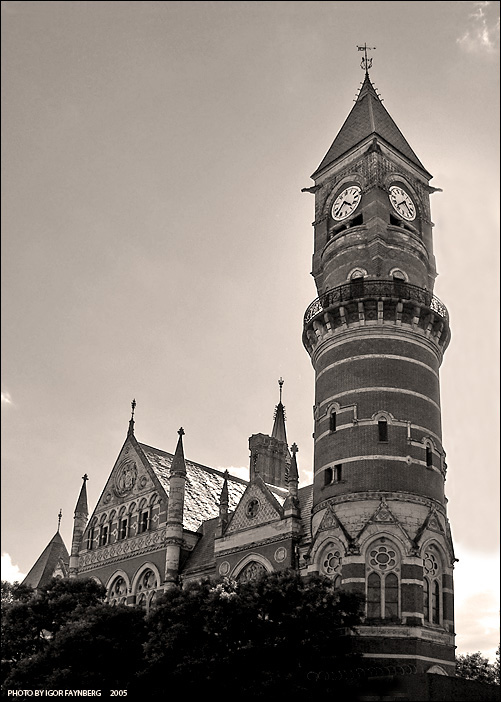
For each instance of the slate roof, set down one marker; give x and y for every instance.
(305, 496)
(44, 568)
(203, 486)
(368, 117)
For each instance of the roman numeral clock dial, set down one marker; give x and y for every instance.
(346, 202)
(402, 203)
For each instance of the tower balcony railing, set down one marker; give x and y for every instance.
(360, 288)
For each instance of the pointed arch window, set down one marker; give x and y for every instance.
(432, 586)
(383, 584)
(357, 284)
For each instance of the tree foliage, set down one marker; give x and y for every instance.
(475, 666)
(259, 638)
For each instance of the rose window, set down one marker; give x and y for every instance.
(383, 558)
(252, 507)
(430, 564)
(147, 581)
(119, 588)
(331, 563)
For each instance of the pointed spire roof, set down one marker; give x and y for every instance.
(55, 554)
(293, 471)
(82, 506)
(223, 499)
(368, 118)
(178, 464)
(278, 431)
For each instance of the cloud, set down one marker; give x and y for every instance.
(476, 600)
(483, 32)
(6, 398)
(11, 572)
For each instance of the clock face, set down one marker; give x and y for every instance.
(346, 202)
(402, 203)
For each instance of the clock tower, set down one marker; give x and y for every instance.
(376, 335)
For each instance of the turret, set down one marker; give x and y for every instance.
(174, 529)
(269, 455)
(79, 524)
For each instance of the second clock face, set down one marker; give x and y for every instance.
(402, 203)
(346, 202)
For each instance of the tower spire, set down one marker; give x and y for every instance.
(131, 420)
(278, 431)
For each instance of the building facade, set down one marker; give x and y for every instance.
(375, 517)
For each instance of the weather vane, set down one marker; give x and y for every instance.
(366, 63)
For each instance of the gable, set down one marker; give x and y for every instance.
(257, 506)
(131, 481)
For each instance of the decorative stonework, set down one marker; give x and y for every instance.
(280, 554)
(125, 478)
(224, 568)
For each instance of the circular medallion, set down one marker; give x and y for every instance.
(126, 478)
(280, 554)
(224, 568)
(252, 507)
(107, 498)
(142, 481)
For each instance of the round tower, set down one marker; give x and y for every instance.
(376, 335)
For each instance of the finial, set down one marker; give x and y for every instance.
(59, 517)
(131, 420)
(366, 63)
(180, 431)
(85, 477)
(281, 382)
(294, 449)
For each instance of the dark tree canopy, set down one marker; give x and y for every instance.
(475, 666)
(260, 637)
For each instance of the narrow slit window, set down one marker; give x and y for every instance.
(328, 476)
(338, 471)
(429, 457)
(382, 430)
(374, 596)
(123, 529)
(333, 421)
(435, 599)
(143, 522)
(90, 539)
(103, 536)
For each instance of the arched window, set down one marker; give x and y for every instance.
(333, 421)
(330, 563)
(432, 589)
(357, 284)
(117, 592)
(382, 427)
(383, 585)
(429, 456)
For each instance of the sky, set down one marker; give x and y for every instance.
(156, 244)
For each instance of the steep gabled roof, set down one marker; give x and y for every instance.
(203, 486)
(367, 118)
(54, 555)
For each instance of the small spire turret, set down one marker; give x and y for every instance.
(131, 420)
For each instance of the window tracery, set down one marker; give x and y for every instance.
(383, 583)
(251, 571)
(432, 589)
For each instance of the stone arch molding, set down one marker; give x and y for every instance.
(115, 575)
(249, 559)
(140, 572)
